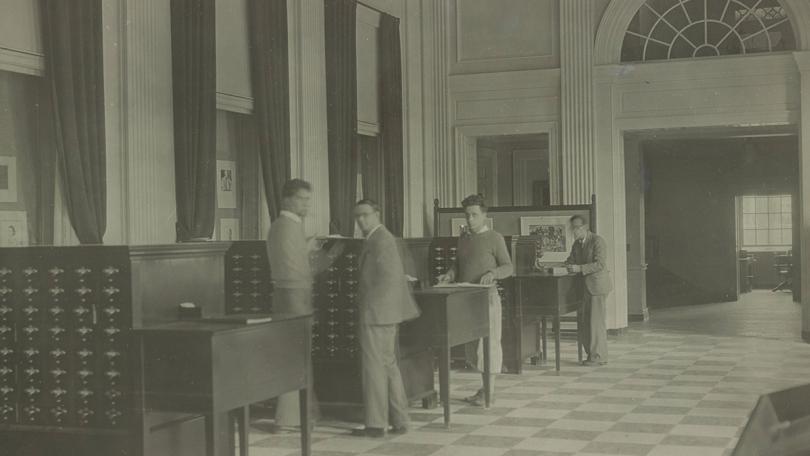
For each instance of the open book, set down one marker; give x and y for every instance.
(462, 285)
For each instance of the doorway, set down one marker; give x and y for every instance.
(686, 224)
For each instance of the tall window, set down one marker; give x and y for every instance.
(675, 29)
(767, 221)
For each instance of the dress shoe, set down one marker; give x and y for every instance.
(475, 398)
(369, 432)
(596, 361)
(398, 430)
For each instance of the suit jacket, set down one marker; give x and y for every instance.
(591, 255)
(385, 297)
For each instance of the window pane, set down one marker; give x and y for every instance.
(748, 221)
(762, 204)
(749, 204)
(761, 221)
(775, 204)
(762, 237)
(774, 220)
(775, 237)
(749, 237)
(786, 220)
(786, 206)
(787, 237)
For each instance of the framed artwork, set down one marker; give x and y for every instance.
(229, 229)
(458, 225)
(226, 184)
(555, 233)
(13, 229)
(8, 179)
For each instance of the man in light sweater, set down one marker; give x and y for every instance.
(288, 250)
(482, 257)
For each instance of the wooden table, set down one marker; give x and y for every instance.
(196, 366)
(551, 296)
(454, 316)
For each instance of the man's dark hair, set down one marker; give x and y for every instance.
(475, 200)
(292, 186)
(369, 202)
(577, 217)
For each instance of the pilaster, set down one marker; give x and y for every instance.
(803, 63)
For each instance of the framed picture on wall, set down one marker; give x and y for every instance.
(8, 179)
(555, 233)
(458, 225)
(13, 229)
(226, 184)
(229, 229)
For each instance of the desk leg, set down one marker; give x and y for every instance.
(557, 341)
(487, 373)
(444, 382)
(545, 339)
(579, 337)
(243, 422)
(306, 422)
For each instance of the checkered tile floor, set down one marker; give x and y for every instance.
(663, 393)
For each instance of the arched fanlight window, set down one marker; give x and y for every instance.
(676, 29)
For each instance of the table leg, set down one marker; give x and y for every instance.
(545, 339)
(487, 374)
(243, 423)
(557, 341)
(579, 338)
(306, 422)
(210, 432)
(444, 381)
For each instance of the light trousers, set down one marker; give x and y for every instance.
(475, 351)
(383, 390)
(297, 301)
(593, 327)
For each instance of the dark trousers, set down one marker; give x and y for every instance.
(383, 389)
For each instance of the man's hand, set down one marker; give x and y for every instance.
(575, 268)
(315, 244)
(444, 278)
(488, 278)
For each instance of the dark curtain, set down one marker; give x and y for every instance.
(44, 168)
(391, 123)
(247, 168)
(371, 168)
(341, 112)
(271, 102)
(194, 101)
(74, 72)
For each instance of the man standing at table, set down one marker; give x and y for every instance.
(288, 250)
(385, 302)
(482, 258)
(589, 258)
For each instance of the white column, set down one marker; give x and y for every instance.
(148, 138)
(576, 69)
(440, 161)
(413, 145)
(803, 62)
(309, 157)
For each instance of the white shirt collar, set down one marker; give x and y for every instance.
(483, 230)
(373, 230)
(292, 216)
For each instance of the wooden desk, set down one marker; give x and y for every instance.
(454, 316)
(551, 296)
(195, 366)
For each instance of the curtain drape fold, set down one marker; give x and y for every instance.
(271, 96)
(341, 112)
(390, 59)
(194, 102)
(247, 170)
(72, 32)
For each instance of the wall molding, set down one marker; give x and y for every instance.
(527, 79)
(23, 62)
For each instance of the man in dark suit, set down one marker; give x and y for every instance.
(589, 257)
(385, 302)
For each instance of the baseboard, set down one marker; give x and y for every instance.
(806, 336)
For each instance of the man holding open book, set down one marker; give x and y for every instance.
(482, 258)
